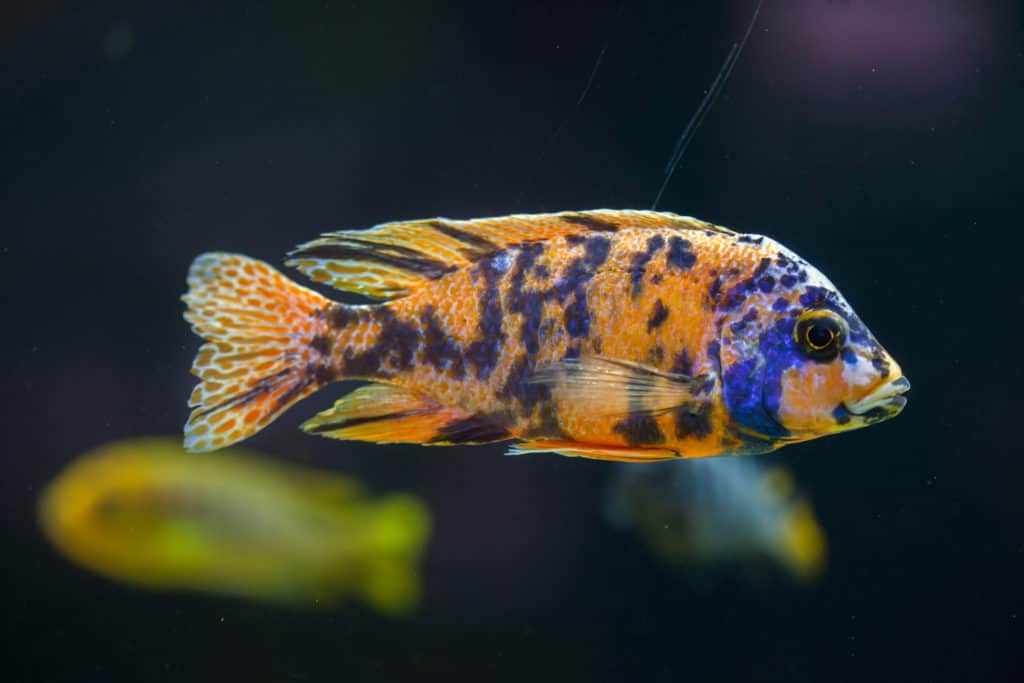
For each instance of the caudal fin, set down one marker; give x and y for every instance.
(396, 533)
(261, 353)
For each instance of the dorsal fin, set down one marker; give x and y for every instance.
(393, 259)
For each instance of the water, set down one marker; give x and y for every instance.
(881, 143)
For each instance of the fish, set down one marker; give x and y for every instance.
(621, 335)
(143, 512)
(721, 513)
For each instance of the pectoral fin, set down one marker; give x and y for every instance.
(611, 387)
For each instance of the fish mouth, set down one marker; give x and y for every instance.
(886, 400)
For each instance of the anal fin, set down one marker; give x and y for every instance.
(383, 413)
(576, 449)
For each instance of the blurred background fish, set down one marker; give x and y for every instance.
(142, 511)
(720, 513)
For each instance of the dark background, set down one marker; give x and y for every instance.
(880, 140)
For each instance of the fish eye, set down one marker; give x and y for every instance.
(820, 334)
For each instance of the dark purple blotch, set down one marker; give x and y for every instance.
(396, 346)
(640, 260)
(525, 259)
(532, 309)
(659, 314)
(596, 250)
(741, 324)
(322, 344)
(683, 364)
(519, 387)
(577, 316)
(816, 297)
(640, 429)
(693, 421)
(439, 349)
(483, 353)
(841, 415)
(680, 253)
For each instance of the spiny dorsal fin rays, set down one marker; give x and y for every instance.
(393, 259)
(608, 386)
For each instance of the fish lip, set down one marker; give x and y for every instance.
(888, 395)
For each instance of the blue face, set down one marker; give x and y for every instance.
(800, 364)
(751, 385)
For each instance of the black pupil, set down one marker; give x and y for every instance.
(820, 336)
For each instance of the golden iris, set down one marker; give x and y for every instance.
(820, 334)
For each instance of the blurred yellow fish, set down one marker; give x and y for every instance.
(145, 512)
(724, 512)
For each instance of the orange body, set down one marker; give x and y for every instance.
(630, 307)
(627, 335)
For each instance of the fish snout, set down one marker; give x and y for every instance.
(886, 400)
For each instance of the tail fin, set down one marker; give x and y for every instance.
(397, 533)
(261, 353)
